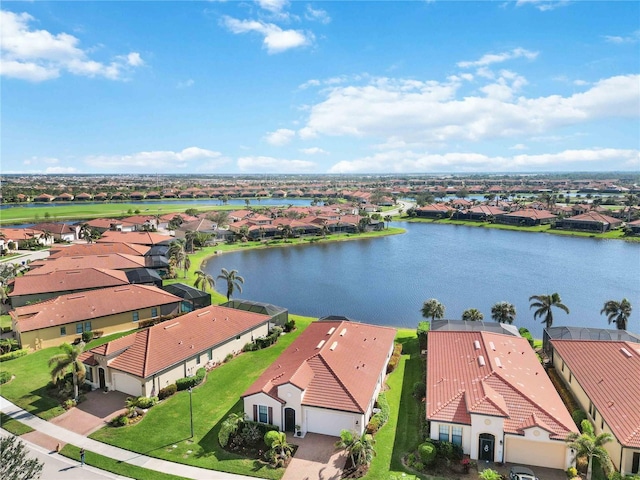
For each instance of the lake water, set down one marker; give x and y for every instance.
(385, 280)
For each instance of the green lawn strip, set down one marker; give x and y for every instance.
(115, 466)
(401, 434)
(28, 389)
(13, 426)
(168, 423)
(5, 321)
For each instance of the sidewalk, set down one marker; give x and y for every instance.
(126, 456)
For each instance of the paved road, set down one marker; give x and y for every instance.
(402, 204)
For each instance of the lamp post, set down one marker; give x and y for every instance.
(191, 410)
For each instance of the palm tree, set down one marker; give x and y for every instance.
(285, 230)
(189, 237)
(544, 304)
(617, 312)
(204, 280)
(233, 281)
(387, 218)
(587, 444)
(85, 232)
(503, 312)
(69, 359)
(178, 253)
(472, 315)
(359, 448)
(433, 309)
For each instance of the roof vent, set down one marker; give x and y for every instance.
(125, 289)
(493, 346)
(481, 361)
(320, 344)
(476, 345)
(498, 362)
(172, 325)
(204, 313)
(344, 330)
(75, 297)
(331, 330)
(333, 346)
(625, 352)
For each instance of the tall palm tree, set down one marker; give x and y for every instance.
(587, 444)
(233, 281)
(617, 312)
(503, 312)
(544, 305)
(85, 232)
(204, 280)
(387, 218)
(285, 230)
(433, 309)
(178, 253)
(189, 237)
(359, 448)
(472, 315)
(69, 359)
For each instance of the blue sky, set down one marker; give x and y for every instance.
(275, 86)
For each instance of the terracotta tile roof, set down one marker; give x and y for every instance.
(91, 304)
(491, 374)
(103, 222)
(531, 213)
(596, 217)
(610, 376)
(79, 249)
(55, 228)
(17, 234)
(142, 238)
(161, 346)
(67, 280)
(337, 363)
(113, 261)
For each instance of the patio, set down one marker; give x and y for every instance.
(93, 413)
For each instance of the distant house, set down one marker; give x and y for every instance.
(634, 227)
(109, 310)
(493, 398)
(481, 213)
(83, 249)
(113, 261)
(528, 217)
(438, 210)
(142, 363)
(43, 197)
(60, 231)
(142, 238)
(326, 381)
(64, 197)
(604, 377)
(592, 222)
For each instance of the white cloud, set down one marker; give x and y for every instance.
(38, 55)
(519, 146)
(273, 6)
(491, 58)
(318, 15)
(543, 5)
(158, 160)
(53, 170)
(436, 112)
(633, 38)
(186, 84)
(407, 161)
(262, 164)
(280, 137)
(313, 151)
(276, 40)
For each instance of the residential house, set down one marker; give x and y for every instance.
(493, 398)
(61, 232)
(141, 238)
(592, 222)
(634, 227)
(438, 210)
(81, 249)
(113, 261)
(528, 217)
(142, 363)
(109, 310)
(604, 377)
(326, 381)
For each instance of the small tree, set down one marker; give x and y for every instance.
(472, 315)
(617, 312)
(233, 279)
(15, 465)
(433, 309)
(503, 312)
(68, 360)
(587, 444)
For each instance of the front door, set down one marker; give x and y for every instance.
(635, 463)
(486, 444)
(101, 379)
(289, 419)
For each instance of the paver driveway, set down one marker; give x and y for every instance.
(315, 459)
(93, 413)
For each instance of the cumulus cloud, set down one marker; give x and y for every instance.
(543, 5)
(280, 137)
(38, 55)
(318, 15)
(276, 40)
(54, 170)
(430, 111)
(262, 164)
(491, 58)
(633, 38)
(158, 160)
(313, 151)
(273, 6)
(407, 161)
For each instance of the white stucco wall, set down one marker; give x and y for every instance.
(331, 422)
(263, 399)
(486, 424)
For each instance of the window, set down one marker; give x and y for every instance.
(89, 374)
(78, 328)
(456, 435)
(87, 326)
(198, 359)
(154, 312)
(592, 410)
(263, 414)
(63, 331)
(570, 377)
(563, 366)
(444, 433)
(210, 354)
(136, 316)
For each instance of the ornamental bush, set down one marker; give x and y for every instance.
(146, 402)
(4, 377)
(190, 382)
(270, 437)
(427, 452)
(13, 355)
(578, 416)
(524, 333)
(489, 474)
(167, 391)
(395, 358)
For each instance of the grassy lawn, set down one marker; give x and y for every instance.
(5, 321)
(14, 426)
(168, 424)
(115, 466)
(29, 389)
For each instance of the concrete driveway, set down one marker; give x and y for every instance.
(93, 413)
(541, 472)
(315, 459)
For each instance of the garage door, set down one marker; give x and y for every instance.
(543, 454)
(329, 422)
(127, 384)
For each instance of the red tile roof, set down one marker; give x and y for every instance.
(491, 374)
(113, 261)
(142, 238)
(609, 373)
(79, 249)
(76, 307)
(67, 280)
(161, 346)
(336, 363)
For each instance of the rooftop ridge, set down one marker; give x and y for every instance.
(344, 387)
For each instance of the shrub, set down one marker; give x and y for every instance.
(250, 347)
(423, 329)
(227, 358)
(13, 355)
(419, 390)
(374, 425)
(290, 325)
(4, 377)
(489, 474)
(250, 434)
(190, 382)
(87, 336)
(524, 333)
(395, 358)
(120, 420)
(571, 472)
(270, 437)
(6, 329)
(167, 391)
(578, 416)
(69, 404)
(427, 452)
(146, 402)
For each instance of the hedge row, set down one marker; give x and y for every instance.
(524, 333)
(190, 382)
(263, 342)
(4, 377)
(395, 358)
(13, 355)
(380, 418)
(167, 391)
